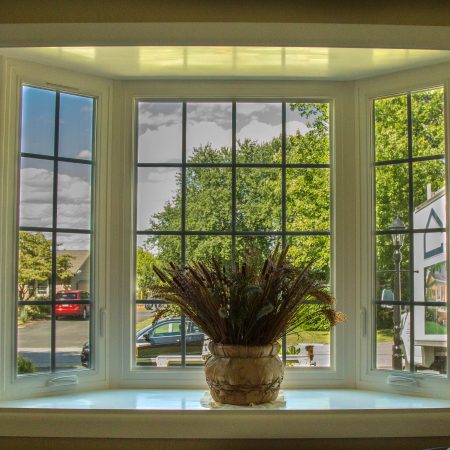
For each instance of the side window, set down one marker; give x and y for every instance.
(410, 298)
(55, 229)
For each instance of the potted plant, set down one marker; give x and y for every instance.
(245, 310)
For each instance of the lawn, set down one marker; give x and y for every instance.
(434, 328)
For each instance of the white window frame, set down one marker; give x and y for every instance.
(340, 95)
(14, 74)
(366, 92)
(114, 217)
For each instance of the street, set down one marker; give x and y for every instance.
(34, 342)
(71, 334)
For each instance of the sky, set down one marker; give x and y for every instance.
(160, 140)
(74, 180)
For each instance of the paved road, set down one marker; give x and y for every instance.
(71, 334)
(34, 342)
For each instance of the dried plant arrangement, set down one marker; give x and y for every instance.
(248, 304)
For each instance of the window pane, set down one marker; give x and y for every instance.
(431, 338)
(258, 132)
(428, 122)
(391, 128)
(208, 132)
(429, 182)
(386, 270)
(201, 248)
(76, 124)
(33, 339)
(159, 132)
(165, 248)
(388, 357)
(38, 121)
(307, 133)
(74, 195)
(261, 244)
(72, 336)
(73, 262)
(309, 344)
(36, 192)
(311, 249)
(34, 266)
(159, 199)
(308, 199)
(146, 258)
(392, 195)
(258, 195)
(157, 344)
(208, 199)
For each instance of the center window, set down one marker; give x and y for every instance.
(215, 179)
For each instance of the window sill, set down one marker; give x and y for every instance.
(338, 413)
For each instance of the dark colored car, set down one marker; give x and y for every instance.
(161, 338)
(80, 310)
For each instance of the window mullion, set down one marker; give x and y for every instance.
(183, 225)
(54, 236)
(411, 238)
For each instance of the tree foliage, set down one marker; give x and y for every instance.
(35, 263)
(393, 180)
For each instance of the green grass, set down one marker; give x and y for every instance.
(434, 328)
(143, 324)
(309, 337)
(386, 335)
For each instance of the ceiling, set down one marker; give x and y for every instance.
(146, 62)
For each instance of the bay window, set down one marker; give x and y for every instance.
(102, 180)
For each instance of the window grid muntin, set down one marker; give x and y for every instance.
(408, 232)
(233, 233)
(55, 230)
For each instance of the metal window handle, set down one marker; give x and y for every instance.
(67, 380)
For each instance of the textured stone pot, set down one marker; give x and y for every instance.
(244, 375)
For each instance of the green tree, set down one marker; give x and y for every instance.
(258, 197)
(145, 276)
(35, 263)
(392, 180)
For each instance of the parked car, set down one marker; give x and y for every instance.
(66, 309)
(161, 338)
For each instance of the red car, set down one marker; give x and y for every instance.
(72, 309)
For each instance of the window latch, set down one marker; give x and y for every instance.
(402, 380)
(66, 380)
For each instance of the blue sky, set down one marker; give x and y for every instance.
(74, 183)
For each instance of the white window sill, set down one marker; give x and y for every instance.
(173, 414)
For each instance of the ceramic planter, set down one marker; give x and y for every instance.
(244, 375)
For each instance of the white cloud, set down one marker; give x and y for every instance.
(161, 145)
(293, 126)
(74, 199)
(85, 154)
(258, 131)
(156, 186)
(202, 133)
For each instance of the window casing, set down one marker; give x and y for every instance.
(411, 164)
(80, 86)
(371, 292)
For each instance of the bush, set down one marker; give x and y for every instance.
(25, 365)
(30, 312)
